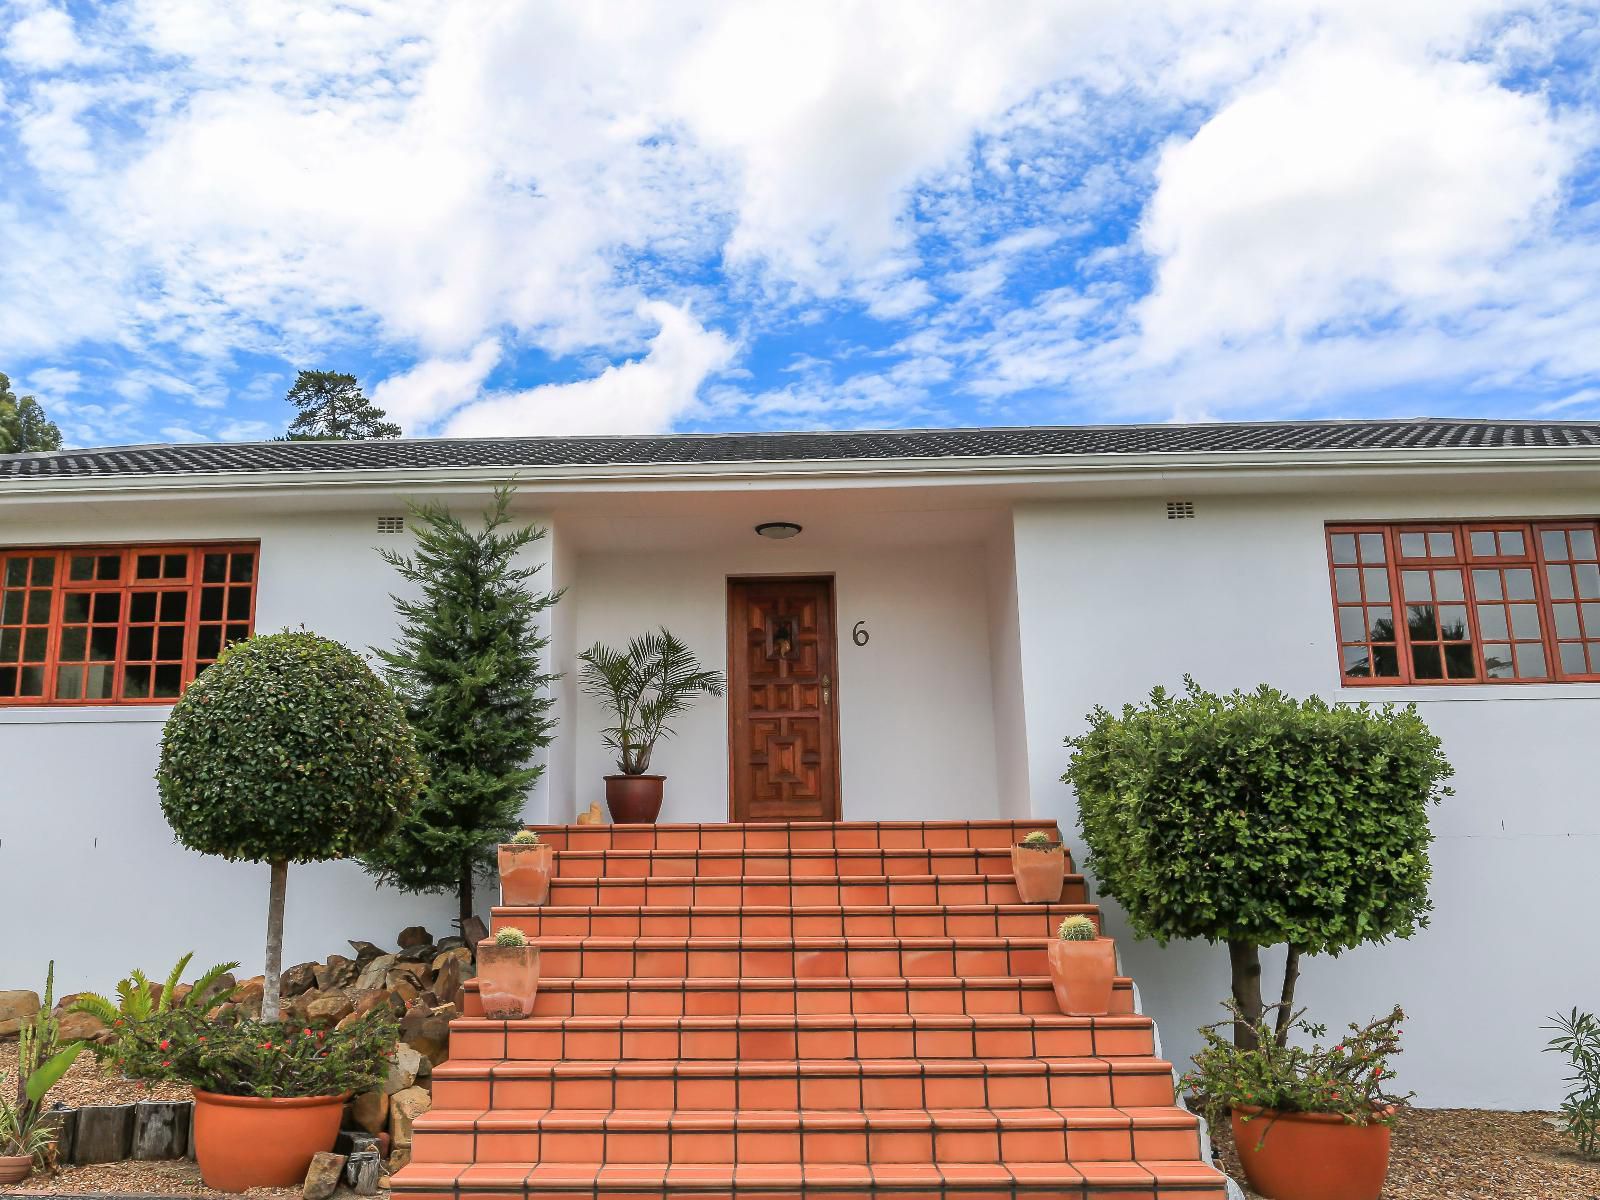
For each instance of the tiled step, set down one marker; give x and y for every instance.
(714, 997)
(983, 1036)
(1183, 1179)
(907, 920)
(822, 1084)
(879, 1135)
(850, 892)
(797, 835)
(750, 863)
(789, 958)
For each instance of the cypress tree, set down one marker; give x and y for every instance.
(468, 667)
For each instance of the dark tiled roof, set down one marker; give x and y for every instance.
(688, 449)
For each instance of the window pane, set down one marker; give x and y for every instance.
(174, 605)
(142, 606)
(75, 606)
(238, 604)
(107, 607)
(1519, 584)
(147, 566)
(1483, 543)
(31, 682)
(8, 681)
(1588, 580)
(1486, 584)
(1560, 582)
(1357, 662)
(99, 683)
(1343, 546)
(109, 568)
(1582, 542)
(1530, 661)
(169, 645)
(34, 642)
(1382, 624)
(10, 645)
(82, 567)
(243, 568)
(136, 682)
(175, 566)
(1377, 581)
(1372, 548)
(38, 608)
(1425, 663)
(1524, 621)
(1453, 622)
(209, 643)
(1497, 661)
(69, 683)
(214, 568)
(1386, 661)
(103, 644)
(1352, 625)
(1441, 545)
(11, 608)
(1415, 585)
(1413, 545)
(211, 603)
(237, 633)
(1422, 623)
(1555, 545)
(1567, 621)
(74, 644)
(1591, 619)
(44, 571)
(1346, 583)
(1511, 543)
(141, 643)
(1447, 585)
(168, 680)
(17, 572)
(1572, 661)
(1458, 662)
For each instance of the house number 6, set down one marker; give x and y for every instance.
(859, 634)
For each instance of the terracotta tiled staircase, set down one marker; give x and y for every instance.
(832, 1010)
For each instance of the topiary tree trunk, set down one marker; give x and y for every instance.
(276, 891)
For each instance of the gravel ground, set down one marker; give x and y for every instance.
(1471, 1154)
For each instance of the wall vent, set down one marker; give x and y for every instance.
(1180, 510)
(397, 524)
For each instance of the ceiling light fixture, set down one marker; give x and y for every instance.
(778, 530)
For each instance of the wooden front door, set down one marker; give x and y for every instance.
(782, 697)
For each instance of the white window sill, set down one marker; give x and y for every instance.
(1422, 694)
(110, 714)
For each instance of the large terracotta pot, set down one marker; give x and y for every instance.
(1310, 1156)
(246, 1142)
(1082, 974)
(525, 873)
(634, 799)
(1039, 872)
(14, 1168)
(508, 980)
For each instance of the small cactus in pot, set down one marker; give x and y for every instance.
(1039, 865)
(1083, 967)
(526, 863)
(508, 975)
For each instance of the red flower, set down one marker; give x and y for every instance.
(166, 1043)
(166, 1064)
(306, 1031)
(266, 1045)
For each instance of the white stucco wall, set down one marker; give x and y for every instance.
(915, 703)
(1114, 598)
(89, 871)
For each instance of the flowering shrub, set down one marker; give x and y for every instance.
(1351, 1079)
(235, 1056)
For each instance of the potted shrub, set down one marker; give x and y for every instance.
(643, 687)
(1039, 864)
(26, 1127)
(1083, 967)
(508, 975)
(20, 1142)
(525, 866)
(1309, 1123)
(267, 1096)
(286, 749)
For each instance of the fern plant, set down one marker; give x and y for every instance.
(646, 685)
(138, 1001)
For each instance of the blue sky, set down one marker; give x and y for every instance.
(574, 218)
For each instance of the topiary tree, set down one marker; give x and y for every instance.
(1257, 820)
(286, 749)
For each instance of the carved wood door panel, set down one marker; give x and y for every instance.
(782, 697)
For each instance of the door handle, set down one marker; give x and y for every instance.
(827, 687)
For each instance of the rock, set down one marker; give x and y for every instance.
(15, 1008)
(323, 1176)
(404, 1068)
(180, 993)
(299, 978)
(453, 942)
(473, 930)
(337, 972)
(160, 1129)
(414, 935)
(329, 1010)
(248, 997)
(403, 985)
(353, 1141)
(75, 1025)
(365, 951)
(370, 1110)
(362, 1170)
(398, 1157)
(427, 1034)
(417, 954)
(373, 974)
(448, 975)
(406, 1106)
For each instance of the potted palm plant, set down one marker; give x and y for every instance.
(1310, 1123)
(1039, 865)
(1083, 968)
(644, 686)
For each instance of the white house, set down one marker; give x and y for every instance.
(968, 595)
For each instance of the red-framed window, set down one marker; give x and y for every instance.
(118, 624)
(1445, 602)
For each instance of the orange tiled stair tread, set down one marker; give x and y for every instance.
(814, 1009)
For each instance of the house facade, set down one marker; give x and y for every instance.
(949, 606)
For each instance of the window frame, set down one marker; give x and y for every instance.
(1464, 560)
(125, 586)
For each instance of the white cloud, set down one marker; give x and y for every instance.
(435, 386)
(46, 40)
(644, 395)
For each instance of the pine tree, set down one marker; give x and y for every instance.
(468, 668)
(332, 408)
(23, 425)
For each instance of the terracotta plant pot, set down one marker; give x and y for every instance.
(14, 1168)
(244, 1142)
(525, 873)
(634, 799)
(1082, 974)
(508, 980)
(1310, 1156)
(1039, 873)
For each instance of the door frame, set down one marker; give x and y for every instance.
(829, 581)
